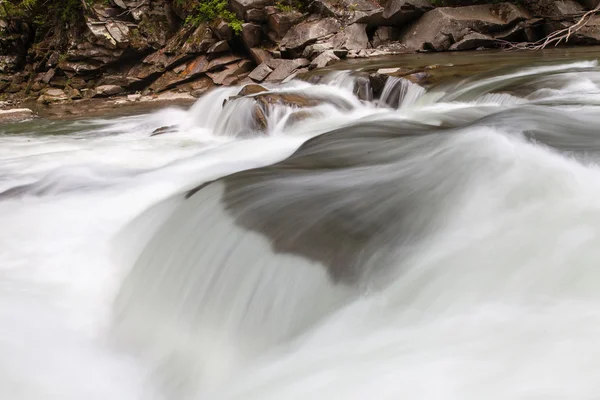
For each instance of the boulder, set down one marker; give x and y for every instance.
(52, 96)
(260, 73)
(589, 34)
(219, 47)
(255, 15)
(223, 30)
(240, 7)
(309, 32)
(285, 68)
(108, 90)
(401, 12)
(354, 37)
(350, 11)
(384, 35)
(15, 114)
(324, 59)
(281, 22)
(438, 29)
(251, 34)
(199, 41)
(251, 89)
(231, 73)
(472, 41)
(259, 55)
(552, 8)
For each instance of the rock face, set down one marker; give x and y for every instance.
(121, 47)
(401, 12)
(309, 32)
(440, 28)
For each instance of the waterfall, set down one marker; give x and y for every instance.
(434, 242)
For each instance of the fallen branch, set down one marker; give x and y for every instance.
(554, 38)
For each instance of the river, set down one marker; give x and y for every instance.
(437, 243)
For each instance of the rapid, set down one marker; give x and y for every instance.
(432, 243)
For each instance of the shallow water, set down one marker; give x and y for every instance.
(436, 243)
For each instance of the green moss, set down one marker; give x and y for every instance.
(211, 10)
(290, 5)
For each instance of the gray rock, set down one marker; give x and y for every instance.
(309, 32)
(260, 73)
(285, 68)
(354, 37)
(16, 114)
(438, 29)
(385, 34)
(314, 50)
(401, 12)
(350, 11)
(472, 41)
(49, 75)
(324, 59)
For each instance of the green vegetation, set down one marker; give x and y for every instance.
(211, 10)
(290, 5)
(44, 16)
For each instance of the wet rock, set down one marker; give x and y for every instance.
(285, 68)
(281, 22)
(108, 90)
(438, 29)
(73, 93)
(16, 114)
(354, 37)
(164, 129)
(401, 12)
(260, 73)
(472, 41)
(134, 97)
(232, 73)
(309, 32)
(251, 89)
(251, 34)
(259, 55)
(200, 86)
(384, 35)
(324, 59)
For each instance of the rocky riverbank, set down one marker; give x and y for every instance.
(163, 50)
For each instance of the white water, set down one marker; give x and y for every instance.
(499, 300)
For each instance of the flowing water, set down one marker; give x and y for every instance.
(438, 243)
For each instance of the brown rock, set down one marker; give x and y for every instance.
(219, 47)
(223, 31)
(256, 15)
(199, 41)
(472, 41)
(309, 32)
(231, 73)
(108, 90)
(251, 89)
(350, 11)
(281, 22)
(260, 73)
(260, 55)
(240, 7)
(49, 75)
(16, 114)
(251, 34)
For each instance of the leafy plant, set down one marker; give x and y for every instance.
(211, 10)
